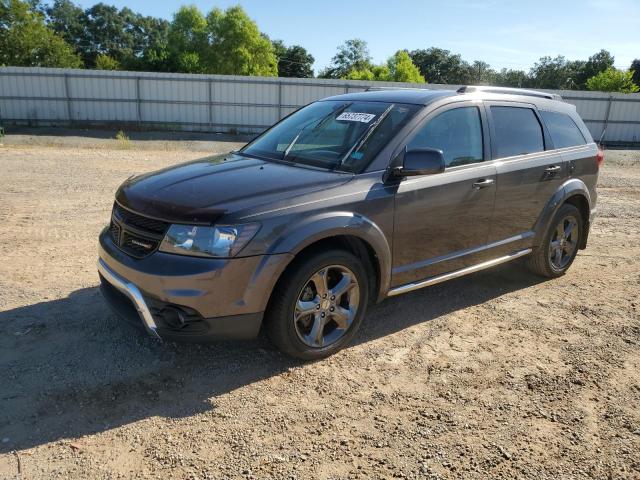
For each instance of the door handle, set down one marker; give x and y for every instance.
(553, 169)
(484, 183)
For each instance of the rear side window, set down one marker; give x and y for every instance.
(518, 131)
(563, 130)
(457, 132)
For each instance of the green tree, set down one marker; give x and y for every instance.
(107, 34)
(25, 39)
(613, 80)
(402, 69)
(360, 74)
(635, 68)
(134, 41)
(236, 45)
(68, 20)
(440, 66)
(479, 73)
(510, 78)
(352, 55)
(105, 62)
(598, 62)
(188, 40)
(293, 61)
(552, 73)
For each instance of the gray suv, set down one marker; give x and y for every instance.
(345, 202)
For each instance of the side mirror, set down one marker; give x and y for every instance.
(420, 161)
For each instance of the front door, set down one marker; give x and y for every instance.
(442, 220)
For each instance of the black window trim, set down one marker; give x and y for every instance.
(546, 137)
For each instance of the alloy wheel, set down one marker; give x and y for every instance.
(326, 306)
(564, 242)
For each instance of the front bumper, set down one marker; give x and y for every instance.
(189, 299)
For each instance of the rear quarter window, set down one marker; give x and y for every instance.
(563, 130)
(518, 131)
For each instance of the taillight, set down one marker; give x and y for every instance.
(600, 157)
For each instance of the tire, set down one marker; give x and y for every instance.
(297, 333)
(544, 258)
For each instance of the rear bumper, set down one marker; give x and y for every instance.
(189, 299)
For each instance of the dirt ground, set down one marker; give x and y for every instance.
(497, 375)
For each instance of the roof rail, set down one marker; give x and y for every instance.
(509, 91)
(373, 89)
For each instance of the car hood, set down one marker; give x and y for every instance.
(203, 190)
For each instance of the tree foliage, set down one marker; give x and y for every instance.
(440, 66)
(188, 40)
(26, 40)
(635, 68)
(402, 69)
(236, 46)
(105, 62)
(293, 61)
(352, 55)
(613, 80)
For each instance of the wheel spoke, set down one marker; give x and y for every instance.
(569, 247)
(569, 229)
(319, 279)
(315, 336)
(558, 257)
(560, 231)
(304, 308)
(343, 286)
(342, 316)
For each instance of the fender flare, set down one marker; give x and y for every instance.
(330, 224)
(570, 188)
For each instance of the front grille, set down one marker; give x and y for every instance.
(135, 234)
(138, 221)
(114, 228)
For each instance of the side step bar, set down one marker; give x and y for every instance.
(410, 287)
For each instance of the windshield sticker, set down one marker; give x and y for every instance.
(356, 117)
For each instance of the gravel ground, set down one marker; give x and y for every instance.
(497, 375)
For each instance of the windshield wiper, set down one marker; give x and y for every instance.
(322, 121)
(365, 135)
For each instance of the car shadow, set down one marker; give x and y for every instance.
(70, 368)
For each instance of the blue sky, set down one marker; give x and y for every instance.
(510, 34)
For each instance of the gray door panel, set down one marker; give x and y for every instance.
(440, 220)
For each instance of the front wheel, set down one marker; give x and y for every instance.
(560, 244)
(318, 305)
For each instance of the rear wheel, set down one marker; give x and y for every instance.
(318, 305)
(560, 244)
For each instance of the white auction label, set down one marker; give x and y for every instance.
(356, 117)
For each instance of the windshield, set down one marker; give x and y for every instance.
(340, 135)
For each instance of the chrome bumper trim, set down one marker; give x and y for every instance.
(134, 294)
(409, 287)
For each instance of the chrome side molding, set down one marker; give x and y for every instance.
(134, 294)
(409, 287)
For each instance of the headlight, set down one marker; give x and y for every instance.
(221, 241)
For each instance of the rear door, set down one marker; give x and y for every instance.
(442, 219)
(529, 172)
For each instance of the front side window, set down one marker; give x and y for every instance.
(518, 131)
(457, 132)
(563, 130)
(337, 135)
